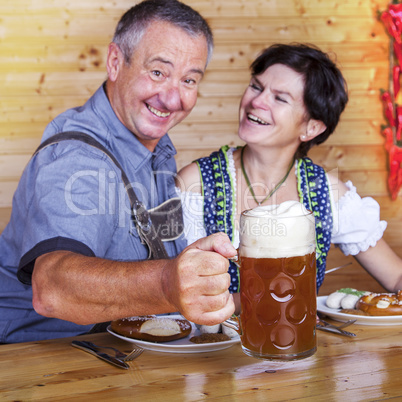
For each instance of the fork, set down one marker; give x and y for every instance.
(324, 325)
(133, 354)
(344, 325)
(118, 354)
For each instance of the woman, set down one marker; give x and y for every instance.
(294, 101)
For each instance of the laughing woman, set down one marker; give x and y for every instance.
(293, 102)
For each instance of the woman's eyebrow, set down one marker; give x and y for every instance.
(280, 92)
(277, 91)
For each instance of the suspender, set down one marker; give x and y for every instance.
(140, 215)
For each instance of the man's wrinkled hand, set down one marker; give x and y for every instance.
(197, 281)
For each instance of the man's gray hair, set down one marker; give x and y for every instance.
(135, 21)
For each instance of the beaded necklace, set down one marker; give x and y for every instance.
(249, 184)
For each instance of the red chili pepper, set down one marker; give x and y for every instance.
(395, 172)
(398, 52)
(389, 138)
(389, 23)
(388, 108)
(395, 11)
(395, 161)
(399, 128)
(396, 73)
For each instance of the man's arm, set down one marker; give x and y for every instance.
(88, 290)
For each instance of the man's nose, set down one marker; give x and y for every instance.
(171, 97)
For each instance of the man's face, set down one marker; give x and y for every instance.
(158, 89)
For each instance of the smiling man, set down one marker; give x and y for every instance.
(71, 255)
(158, 87)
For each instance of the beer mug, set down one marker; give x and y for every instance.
(277, 264)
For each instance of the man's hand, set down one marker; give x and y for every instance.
(197, 281)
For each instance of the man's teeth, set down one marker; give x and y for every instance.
(257, 119)
(158, 112)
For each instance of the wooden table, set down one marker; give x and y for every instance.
(368, 367)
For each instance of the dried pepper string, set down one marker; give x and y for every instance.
(392, 19)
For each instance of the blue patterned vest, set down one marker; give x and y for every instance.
(217, 189)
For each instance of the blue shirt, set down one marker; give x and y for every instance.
(70, 197)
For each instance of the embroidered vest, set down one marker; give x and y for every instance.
(218, 193)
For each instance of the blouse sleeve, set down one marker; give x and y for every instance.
(357, 224)
(193, 215)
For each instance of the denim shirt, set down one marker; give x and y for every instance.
(70, 197)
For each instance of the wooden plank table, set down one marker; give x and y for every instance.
(365, 368)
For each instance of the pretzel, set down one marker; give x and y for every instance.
(381, 303)
(152, 328)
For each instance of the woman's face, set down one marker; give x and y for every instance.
(272, 110)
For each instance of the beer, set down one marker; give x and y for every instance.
(278, 282)
(278, 306)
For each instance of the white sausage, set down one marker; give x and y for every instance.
(334, 299)
(349, 301)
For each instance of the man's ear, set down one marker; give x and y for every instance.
(114, 61)
(314, 128)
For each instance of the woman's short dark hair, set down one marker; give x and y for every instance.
(325, 89)
(135, 21)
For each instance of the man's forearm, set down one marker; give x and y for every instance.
(87, 290)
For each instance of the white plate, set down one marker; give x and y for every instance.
(180, 345)
(361, 319)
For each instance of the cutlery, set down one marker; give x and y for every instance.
(120, 355)
(326, 326)
(118, 360)
(345, 324)
(336, 268)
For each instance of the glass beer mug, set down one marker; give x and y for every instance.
(277, 264)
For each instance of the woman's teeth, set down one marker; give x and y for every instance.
(158, 112)
(256, 119)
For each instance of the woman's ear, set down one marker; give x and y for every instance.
(314, 128)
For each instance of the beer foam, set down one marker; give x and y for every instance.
(277, 231)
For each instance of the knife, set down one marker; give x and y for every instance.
(103, 356)
(336, 268)
(335, 330)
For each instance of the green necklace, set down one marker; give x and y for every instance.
(249, 184)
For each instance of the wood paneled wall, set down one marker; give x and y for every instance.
(52, 57)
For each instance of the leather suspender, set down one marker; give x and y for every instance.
(140, 215)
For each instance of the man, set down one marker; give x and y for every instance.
(70, 239)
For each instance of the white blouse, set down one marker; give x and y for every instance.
(357, 225)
